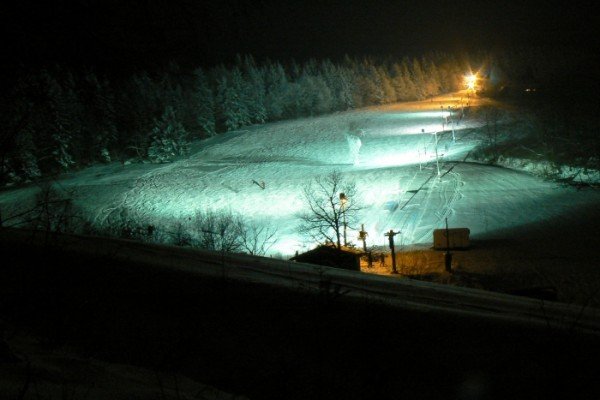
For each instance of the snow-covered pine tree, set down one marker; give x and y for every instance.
(169, 138)
(321, 100)
(311, 94)
(304, 93)
(61, 152)
(432, 78)
(66, 121)
(18, 158)
(233, 108)
(100, 118)
(419, 79)
(450, 73)
(389, 93)
(277, 91)
(176, 89)
(26, 150)
(354, 73)
(403, 82)
(370, 85)
(399, 83)
(347, 88)
(140, 105)
(255, 91)
(203, 100)
(330, 75)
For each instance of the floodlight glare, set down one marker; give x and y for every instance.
(470, 81)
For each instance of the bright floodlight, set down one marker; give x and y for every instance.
(470, 81)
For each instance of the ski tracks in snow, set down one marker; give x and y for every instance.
(437, 199)
(140, 199)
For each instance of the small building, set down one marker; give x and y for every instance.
(331, 256)
(458, 238)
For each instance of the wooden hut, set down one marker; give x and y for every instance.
(331, 256)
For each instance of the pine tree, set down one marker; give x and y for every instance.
(371, 86)
(100, 119)
(399, 83)
(419, 79)
(389, 93)
(432, 78)
(142, 105)
(347, 89)
(204, 104)
(403, 82)
(62, 149)
(314, 97)
(233, 108)
(176, 89)
(255, 90)
(322, 100)
(277, 91)
(339, 83)
(169, 138)
(17, 148)
(65, 122)
(26, 151)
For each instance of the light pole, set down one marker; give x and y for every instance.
(448, 255)
(362, 235)
(437, 162)
(343, 201)
(390, 236)
(443, 118)
(452, 121)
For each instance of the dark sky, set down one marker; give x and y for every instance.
(149, 32)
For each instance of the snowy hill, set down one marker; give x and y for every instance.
(545, 229)
(389, 152)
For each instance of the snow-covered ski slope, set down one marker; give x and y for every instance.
(388, 151)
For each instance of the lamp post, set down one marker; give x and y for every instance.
(443, 119)
(448, 255)
(390, 236)
(437, 162)
(343, 201)
(362, 235)
(452, 121)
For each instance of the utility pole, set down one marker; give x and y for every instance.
(424, 151)
(443, 118)
(448, 255)
(437, 162)
(452, 121)
(390, 236)
(362, 235)
(344, 200)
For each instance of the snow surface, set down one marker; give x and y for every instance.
(392, 159)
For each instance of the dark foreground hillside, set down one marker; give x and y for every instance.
(266, 342)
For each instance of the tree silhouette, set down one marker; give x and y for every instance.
(332, 203)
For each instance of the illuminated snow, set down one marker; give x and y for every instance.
(393, 160)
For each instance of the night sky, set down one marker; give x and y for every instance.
(116, 34)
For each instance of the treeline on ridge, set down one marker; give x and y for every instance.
(55, 120)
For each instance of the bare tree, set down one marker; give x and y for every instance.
(217, 231)
(229, 232)
(333, 205)
(53, 211)
(256, 240)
